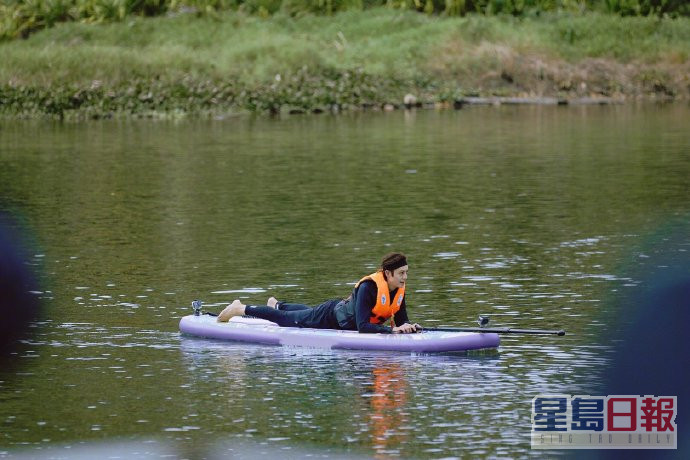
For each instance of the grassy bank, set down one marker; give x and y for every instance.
(21, 18)
(231, 61)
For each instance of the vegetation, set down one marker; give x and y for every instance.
(232, 61)
(19, 18)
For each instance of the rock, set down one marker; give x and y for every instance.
(410, 100)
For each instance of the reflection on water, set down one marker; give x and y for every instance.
(388, 412)
(385, 403)
(533, 216)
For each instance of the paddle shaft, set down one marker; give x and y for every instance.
(501, 330)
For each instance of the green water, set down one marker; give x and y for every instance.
(533, 215)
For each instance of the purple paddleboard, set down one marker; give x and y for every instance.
(265, 332)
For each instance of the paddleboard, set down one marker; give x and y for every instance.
(256, 330)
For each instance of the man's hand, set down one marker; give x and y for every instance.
(407, 328)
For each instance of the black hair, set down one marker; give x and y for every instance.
(393, 261)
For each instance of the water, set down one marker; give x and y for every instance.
(541, 217)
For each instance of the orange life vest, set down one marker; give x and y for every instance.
(384, 308)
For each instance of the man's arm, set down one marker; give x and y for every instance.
(403, 323)
(400, 317)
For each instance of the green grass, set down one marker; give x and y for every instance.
(381, 42)
(374, 55)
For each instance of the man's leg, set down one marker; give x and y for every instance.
(321, 316)
(282, 318)
(275, 303)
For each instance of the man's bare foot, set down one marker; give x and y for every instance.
(236, 308)
(272, 302)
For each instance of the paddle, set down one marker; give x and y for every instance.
(499, 330)
(484, 320)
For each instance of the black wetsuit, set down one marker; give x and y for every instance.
(352, 313)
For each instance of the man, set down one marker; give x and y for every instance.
(375, 299)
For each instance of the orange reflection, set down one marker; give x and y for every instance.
(387, 403)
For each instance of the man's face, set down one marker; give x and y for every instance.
(397, 277)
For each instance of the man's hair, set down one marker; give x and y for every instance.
(393, 261)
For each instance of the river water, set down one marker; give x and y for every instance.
(541, 217)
